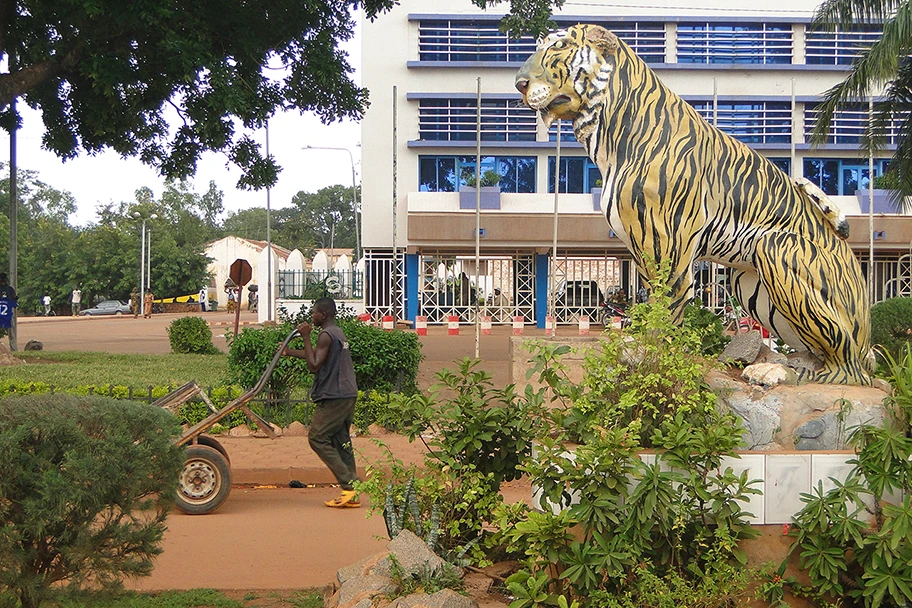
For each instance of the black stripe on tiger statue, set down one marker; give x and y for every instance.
(677, 190)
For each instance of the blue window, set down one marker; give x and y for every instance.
(469, 40)
(759, 43)
(841, 177)
(457, 120)
(763, 122)
(783, 163)
(450, 173)
(849, 124)
(578, 174)
(461, 39)
(840, 46)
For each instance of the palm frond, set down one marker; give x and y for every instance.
(844, 13)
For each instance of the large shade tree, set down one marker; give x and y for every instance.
(167, 81)
(885, 65)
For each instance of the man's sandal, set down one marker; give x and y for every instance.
(346, 500)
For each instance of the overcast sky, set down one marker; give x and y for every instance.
(98, 180)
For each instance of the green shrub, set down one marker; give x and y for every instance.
(891, 324)
(708, 326)
(385, 361)
(191, 335)
(855, 540)
(251, 352)
(85, 490)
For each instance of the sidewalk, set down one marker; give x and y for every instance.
(259, 461)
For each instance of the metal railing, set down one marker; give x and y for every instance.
(313, 284)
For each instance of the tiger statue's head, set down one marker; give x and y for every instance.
(568, 71)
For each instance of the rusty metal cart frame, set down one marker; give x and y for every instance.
(205, 480)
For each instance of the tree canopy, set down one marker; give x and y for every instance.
(886, 64)
(167, 81)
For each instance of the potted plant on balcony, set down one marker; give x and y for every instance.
(490, 190)
(597, 196)
(887, 197)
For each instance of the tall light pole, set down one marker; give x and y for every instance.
(351, 159)
(142, 259)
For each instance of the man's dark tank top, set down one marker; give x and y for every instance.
(336, 377)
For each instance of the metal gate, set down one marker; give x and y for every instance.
(380, 269)
(500, 287)
(580, 285)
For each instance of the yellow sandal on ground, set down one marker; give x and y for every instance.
(348, 499)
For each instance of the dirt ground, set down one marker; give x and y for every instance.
(265, 536)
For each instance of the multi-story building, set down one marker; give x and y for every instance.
(757, 71)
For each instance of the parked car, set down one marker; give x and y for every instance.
(575, 298)
(107, 307)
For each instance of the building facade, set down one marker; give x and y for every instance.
(755, 71)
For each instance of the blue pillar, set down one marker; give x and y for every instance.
(412, 278)
(542, 280)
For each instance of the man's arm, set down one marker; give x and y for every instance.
(314, 357)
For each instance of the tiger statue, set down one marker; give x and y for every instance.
(676, 190)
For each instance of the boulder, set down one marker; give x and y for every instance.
(415, 556)
(445, 598)
(743, 348)
(769, 374)
(768, 355)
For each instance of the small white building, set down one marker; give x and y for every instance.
(225, 251)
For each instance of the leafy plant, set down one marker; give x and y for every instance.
(605, 510)
(474, 423)
(855, 540)
(489, 178)
(891, 324)
(397, 515)
(191, 335)
(426, 580)
(708, 326)
(87, 483)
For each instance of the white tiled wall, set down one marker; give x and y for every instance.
(782, 477)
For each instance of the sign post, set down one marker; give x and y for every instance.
(240, 273)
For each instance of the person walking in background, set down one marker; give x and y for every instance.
(204, 298)
(147, 305)
(46, 303)
(76, 300)
(334, 392)
(134, 302)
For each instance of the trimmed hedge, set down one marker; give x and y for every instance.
(891, 324)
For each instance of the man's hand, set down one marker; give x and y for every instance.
(305, 328)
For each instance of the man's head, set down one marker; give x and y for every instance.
(3, 279)
(324, 310)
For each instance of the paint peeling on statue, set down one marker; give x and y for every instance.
(677, 190)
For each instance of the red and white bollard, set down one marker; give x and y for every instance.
(421, 325)
(365, 318)
(388, 322)
(486, 326)
(519, 325)
(550, 326)
(452, 325)
(617, 322)
(584, 325)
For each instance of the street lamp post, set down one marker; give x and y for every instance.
(142, 260)
(351, 159)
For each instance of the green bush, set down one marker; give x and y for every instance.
(385, 361)
(85, 490)
(891, 324)
(855, 540)
(191, 335)
(708, 326)
(251, 352)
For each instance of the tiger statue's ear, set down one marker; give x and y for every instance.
(601, 38)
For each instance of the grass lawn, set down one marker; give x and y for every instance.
(208, 598)
(73, 368)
